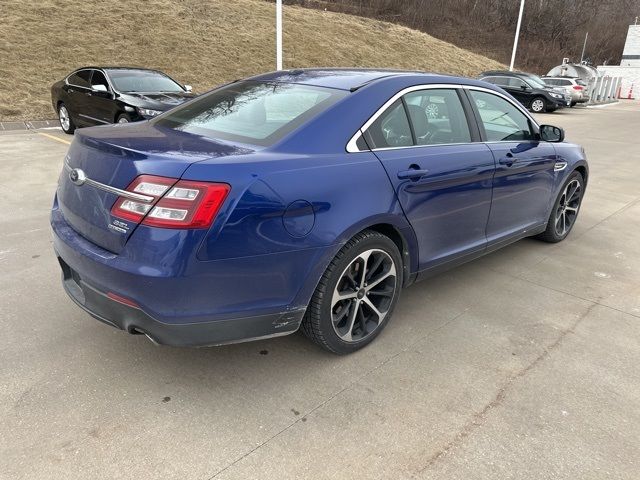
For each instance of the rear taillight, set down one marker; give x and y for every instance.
(578, 87)
(148, 185)
(174, 204)
(188, 205)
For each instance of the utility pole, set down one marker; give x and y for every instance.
(584, 46)
(515, 40)
(278, 34)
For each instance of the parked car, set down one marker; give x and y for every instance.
(574, 86)
(529, 90)
(101, 95)
(303, 199)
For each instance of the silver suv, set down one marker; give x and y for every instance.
(574, 86)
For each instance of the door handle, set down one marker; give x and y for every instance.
(412, 174)
(508, 160)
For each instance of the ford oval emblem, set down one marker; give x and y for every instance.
(77, 176)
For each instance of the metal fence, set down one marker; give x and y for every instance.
(603, 89)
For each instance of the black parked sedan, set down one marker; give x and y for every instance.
(528, 89)
(100, 95)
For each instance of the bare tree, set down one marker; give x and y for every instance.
(551, 29)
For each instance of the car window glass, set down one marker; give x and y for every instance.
(516, 83)
(437, 117)
(391, 129)
(258, 113)
(550, 81)
(502, 121)
(98, 78)
(129, 80)
(80, 79)
(501, 81)
(535, 81)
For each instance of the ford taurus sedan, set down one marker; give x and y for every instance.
(303, 199)
(101, 95)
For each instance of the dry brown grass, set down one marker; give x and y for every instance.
(198, 42)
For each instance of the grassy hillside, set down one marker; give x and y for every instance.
(198, 42)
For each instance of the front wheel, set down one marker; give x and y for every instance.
(538, 105)
(123, 118)
(565, 210)
(355, 297)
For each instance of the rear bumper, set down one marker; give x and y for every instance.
(135, 321)
(186, 303)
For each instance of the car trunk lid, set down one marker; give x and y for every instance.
(114, 157)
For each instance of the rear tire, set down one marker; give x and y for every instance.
(356, 295)
(538, 105)
(66, 123)
(565, 210)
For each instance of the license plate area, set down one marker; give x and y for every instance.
(72, 281)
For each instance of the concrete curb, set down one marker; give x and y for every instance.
(28, 125)
(602, 105)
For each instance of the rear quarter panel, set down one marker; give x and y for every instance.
(283, 203)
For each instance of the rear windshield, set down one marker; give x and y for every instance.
(142, 81)
(259, 113)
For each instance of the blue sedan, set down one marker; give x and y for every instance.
(303, 199)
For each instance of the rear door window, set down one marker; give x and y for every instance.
(501, 120)
(80, 79)
(390, 129)
(437, 117)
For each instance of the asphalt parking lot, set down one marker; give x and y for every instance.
(523, 364)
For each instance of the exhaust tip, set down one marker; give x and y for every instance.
(137, 331)
(151, 339)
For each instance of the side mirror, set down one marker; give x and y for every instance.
(188, 88)
(99, 88)
(549, 133)
(524, 87)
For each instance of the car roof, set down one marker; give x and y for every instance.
(505, 73)
(94, 67)
(352, 78)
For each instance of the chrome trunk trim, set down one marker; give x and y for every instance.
(107, 188)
